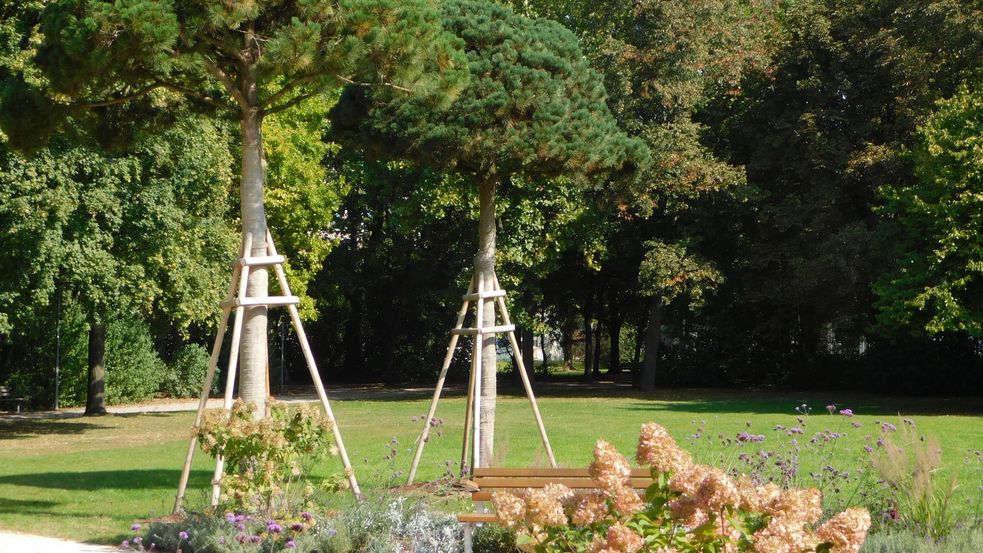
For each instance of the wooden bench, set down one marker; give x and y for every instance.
(7, 397)
(518, 480)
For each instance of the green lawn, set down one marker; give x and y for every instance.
(89, 479)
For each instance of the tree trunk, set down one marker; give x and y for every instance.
(528, 347)
(596, 365)
(567, 345)
(653, 339)
(253, 348)
(614, 329)
(588, 345)
(95, 399)
(484, 265)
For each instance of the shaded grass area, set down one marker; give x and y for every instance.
(89, 479)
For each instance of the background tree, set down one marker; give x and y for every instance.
(934, 225)
(245, 60)
(669, 272)
(140, 231)
(533, 108)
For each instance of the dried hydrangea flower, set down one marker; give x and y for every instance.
(510, 509)
(784, 535)
(610, 469)
(592, 508)
(846, 531)
(626, 501)
(687, 480)
(622, 539)
(544, 507)
(657, 449)
(716, 490)
(805, 506)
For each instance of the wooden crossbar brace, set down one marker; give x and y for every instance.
(472, 413)
(236, 298)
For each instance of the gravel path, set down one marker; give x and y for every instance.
(26, 543)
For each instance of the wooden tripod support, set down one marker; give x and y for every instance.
(472, 417)
(236, 298)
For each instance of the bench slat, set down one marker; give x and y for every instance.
(508, 472)
(473, 518)
(530, 482)
(487, 496)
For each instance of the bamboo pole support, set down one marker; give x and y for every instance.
(448, 357)
(230, 376)
(476, 360)
(468, 412)
(315, 375)
(525, 377)
(205, 392)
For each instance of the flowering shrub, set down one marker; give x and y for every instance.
(689, 508)
(265, 457)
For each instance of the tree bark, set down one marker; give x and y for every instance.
(484, 265)
(596, 365)
(528, 346)
(253, 353)
(588, 345)
(567, 344)
(614, 330)
(95, 399)
(653, 339)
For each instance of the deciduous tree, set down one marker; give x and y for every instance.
(244, 60)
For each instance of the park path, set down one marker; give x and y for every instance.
(26, 543)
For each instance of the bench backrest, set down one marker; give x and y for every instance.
(4, 391)
(490, 480)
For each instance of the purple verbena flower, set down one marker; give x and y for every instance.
(136, 527)
(138, 540)
(182, 535)
(254, 539)
(306, 516)
(125, 544)
(296, 527)
(272, 527)
(846, 412)
(291, 544)
(831, 408)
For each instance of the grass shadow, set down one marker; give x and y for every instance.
(13, 429)
(107, 479)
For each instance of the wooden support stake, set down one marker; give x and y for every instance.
(468, 413)
(525, 378)
(205, 392)
(476, 359)
(448, 357)
(230, 376)
(315, 375)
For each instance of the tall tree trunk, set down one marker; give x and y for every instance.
(640, 326)
(614, 330)
(95, 398)
(484, 264)
(653, 339)
(596, 365)
(253, 348)
(567, 344)
(528, 346)
(588, 345)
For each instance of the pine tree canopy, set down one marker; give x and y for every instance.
(262, 56)
(533, 105)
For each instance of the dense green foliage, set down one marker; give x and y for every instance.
(808, 214)
(936, 229)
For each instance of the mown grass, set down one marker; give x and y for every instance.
(90, 478)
